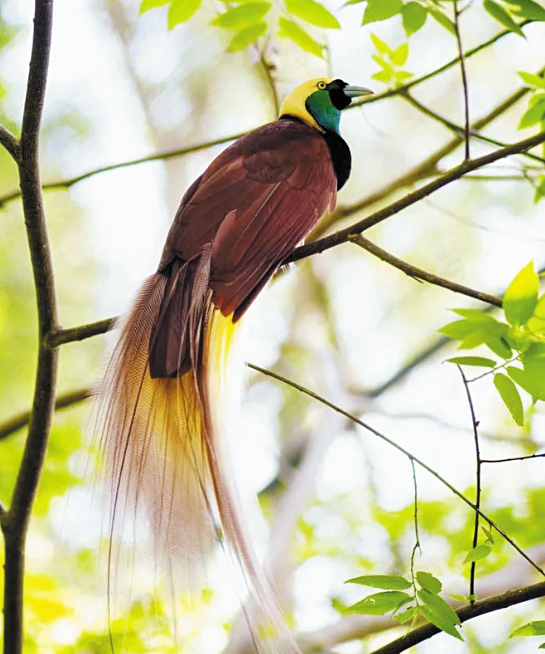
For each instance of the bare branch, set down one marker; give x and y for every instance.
(418, 273)
(399, 448)
(464, 76)
(344, 235)
(514, 458)
(63, 401)
(478, 488)
(15, 521)
(61, 336)
(10, 142)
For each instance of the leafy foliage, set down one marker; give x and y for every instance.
(521, 339)
(391, 62)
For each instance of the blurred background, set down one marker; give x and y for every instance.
(338, 502)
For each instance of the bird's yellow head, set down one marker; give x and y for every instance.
(318, 102)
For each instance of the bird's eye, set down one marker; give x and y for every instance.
(321, 85)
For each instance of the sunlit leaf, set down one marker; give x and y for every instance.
(540, 189)
(532, 80)
(478, 553)
(429, 582)
(473, 361)
(535, 628)
(247, 36)
(399, 55)
(381, 45)
(406, 615)
(243, 15)
(439, 613)
(502, 16)
(180, 11)
(312, 12)
(290, 30)
(380, 603)
(528, 9)
(443, 20)
(510, 396)
(413, 16)
(520, 298)
(535, 113)
(146, 5)
(387, 582)
(377, 10)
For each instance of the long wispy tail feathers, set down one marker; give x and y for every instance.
(162, 440)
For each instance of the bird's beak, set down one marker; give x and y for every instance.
(356, 91)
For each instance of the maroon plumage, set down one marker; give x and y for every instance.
(236, 224)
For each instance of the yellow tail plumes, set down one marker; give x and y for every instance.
(165, 454)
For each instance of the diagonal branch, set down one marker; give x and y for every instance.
(344, 235)
(15, 521)
(399, 448)
(418, 273)
(63, 401)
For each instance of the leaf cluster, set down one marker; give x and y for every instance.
(519, 340)
(424, 600)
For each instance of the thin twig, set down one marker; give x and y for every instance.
(416, 533)
(344, 235)
(453, 489)
(464, 76)
(458, 129)
(418, 273)
(10, 143)
(15, 521)
(478, 489)
(63, 401)
(514, 458)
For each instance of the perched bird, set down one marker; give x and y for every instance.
(164, 401)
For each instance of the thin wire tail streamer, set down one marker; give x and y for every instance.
(164, 445)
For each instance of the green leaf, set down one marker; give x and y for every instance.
(413, 16)
(540, 190)
(247, 36)
(478, 553)
(535, 628)
(312, 12)
(387, 582)
(473, 361)
(406, 615)
(439, 613)
(459, 329)
(243, 15)
(399, 55)
(381, 45)
(475, 315)
(520, 299)
(443, 20)
(536, 323)
(146, 5)
(380, 603)
(532, 80)
(429, 582)
(535, 113)
(510, 396)
(532, 378)
(180, 11)
(502, 16)
(377, 10)
(528, 9)
(290, 30)
(498, 345)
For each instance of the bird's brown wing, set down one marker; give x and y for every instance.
(255, 203)
(236, 224)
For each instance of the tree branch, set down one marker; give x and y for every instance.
(418, 273)
(58, 337)
(10, 143)
(15, 522)
(497, 603)
(399, 448)
(344, 235)
(464, 76)
(63, 401)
